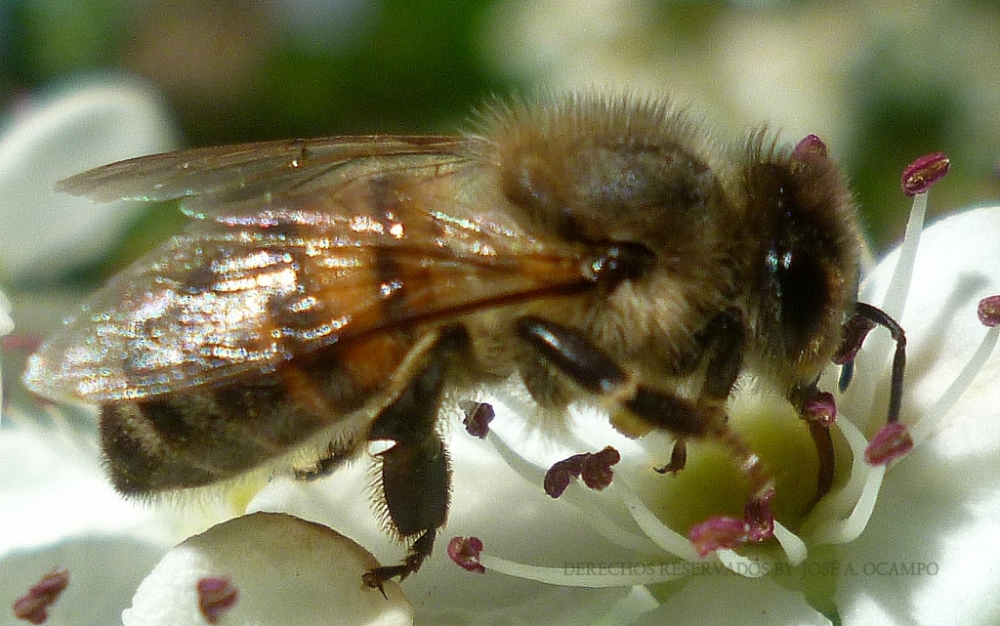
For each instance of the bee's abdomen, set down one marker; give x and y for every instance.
(195, 439)
(208, 434)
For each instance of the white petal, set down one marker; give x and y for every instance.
(53, 488)
(83, 127)
(965, 578)
(732, 599)
(930, 546)
(284, 570)
(957, 264)
(103, 574)
(869, 610)
(929, 553)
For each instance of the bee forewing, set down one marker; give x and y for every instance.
(290, 262)
(274, 167)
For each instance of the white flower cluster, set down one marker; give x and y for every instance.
(912, 543)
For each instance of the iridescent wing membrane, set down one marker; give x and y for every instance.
(293, 246)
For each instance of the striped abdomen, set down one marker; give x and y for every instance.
(214, 432)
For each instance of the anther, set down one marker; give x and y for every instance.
(216, 595)
(464, 551)
(924, 172)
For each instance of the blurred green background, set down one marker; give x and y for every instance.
(882, 81)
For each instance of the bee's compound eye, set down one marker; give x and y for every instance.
(804, 294)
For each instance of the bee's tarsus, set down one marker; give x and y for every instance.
(678, 459)
(415, 476)
(419, 551)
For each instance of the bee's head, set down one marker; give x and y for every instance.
(808, 254)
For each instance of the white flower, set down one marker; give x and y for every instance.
(902, 545)
(870, 550)
(940, 505)
(265, 569)
(930, 536)
(51, 137)
(934, 525)
(487, 500)
(56, 506)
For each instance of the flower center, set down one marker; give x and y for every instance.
(711, 485)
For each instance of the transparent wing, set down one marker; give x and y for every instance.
(363, 239)
(295, 166)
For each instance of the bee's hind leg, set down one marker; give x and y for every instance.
(415, 474)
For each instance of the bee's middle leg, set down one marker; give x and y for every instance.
(570, 352)
(588, 366)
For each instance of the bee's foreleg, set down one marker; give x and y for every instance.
(415, 474)
(819, 409)
(892, 440)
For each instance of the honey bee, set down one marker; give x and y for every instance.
(331, 292)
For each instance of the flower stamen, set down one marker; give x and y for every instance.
(922, 429)
(989, 311)
(216, 596)
(33, 606)
(665, 538)
(821, 409)
(468, 555)
(465, 551)
(725, 532)
(924, 172)
(597, 517)
(593, 467)
(478, 416)
(890, 443)
(808, 147)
